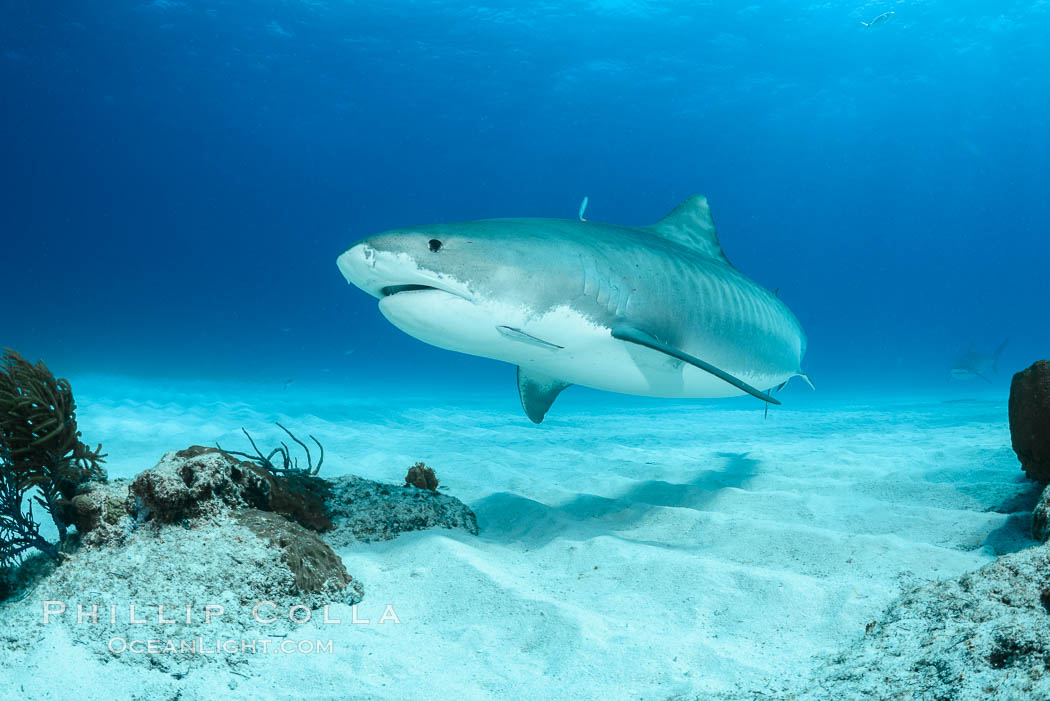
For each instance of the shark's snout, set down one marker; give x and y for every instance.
(358, 266)
(382, 273)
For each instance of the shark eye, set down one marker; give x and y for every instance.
(435, 245)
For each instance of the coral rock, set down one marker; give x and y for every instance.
(1030, 419)
(956, 639)
(363, 510)
(102, 511)
(235, 561)
(1041, 518)
(419, 475)
(317, 569)
(202, 482)
(299, 497)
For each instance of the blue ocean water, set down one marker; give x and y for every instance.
(178, 177)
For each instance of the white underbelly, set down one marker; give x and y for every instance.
(588, 354)
(617, 366)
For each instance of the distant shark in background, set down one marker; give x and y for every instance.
(655, 311)
(973, 364)
(881, 19)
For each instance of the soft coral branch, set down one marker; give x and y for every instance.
(40, 450)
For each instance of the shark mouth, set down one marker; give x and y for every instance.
(391, 290)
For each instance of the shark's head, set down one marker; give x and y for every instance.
(456, 285)
(404, 260)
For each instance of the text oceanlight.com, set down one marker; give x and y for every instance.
(218, 646)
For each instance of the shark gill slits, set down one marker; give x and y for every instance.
(435, 245)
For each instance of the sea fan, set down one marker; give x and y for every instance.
(40, 454)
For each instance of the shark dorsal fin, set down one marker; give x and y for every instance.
(690, 225)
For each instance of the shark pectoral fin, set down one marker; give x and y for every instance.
(519, 335)
(628, 333)
(538, 392)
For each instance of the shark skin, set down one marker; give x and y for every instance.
(655, 311)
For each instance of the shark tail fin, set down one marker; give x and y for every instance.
(866, 24)
(997, 353)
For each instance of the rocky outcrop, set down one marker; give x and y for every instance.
(189, 487)
(187, 586)
(116, 515)
(985, 635)
(362, 511)
(1041, 518)
(1030, 420)
(316, 568)
(205, 488)
(102, 511)
(203, 531)
(200, 482)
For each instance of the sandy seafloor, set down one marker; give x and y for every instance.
(626, 550)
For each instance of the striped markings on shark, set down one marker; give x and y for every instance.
(653, 311)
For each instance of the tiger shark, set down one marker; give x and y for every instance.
(974, 363)
(655, 311)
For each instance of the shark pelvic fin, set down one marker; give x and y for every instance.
(691, 225)
(538, 392)
(519, 335)
(626, 332)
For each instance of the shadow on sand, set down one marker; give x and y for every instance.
(507, 516)
(1016, 533)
